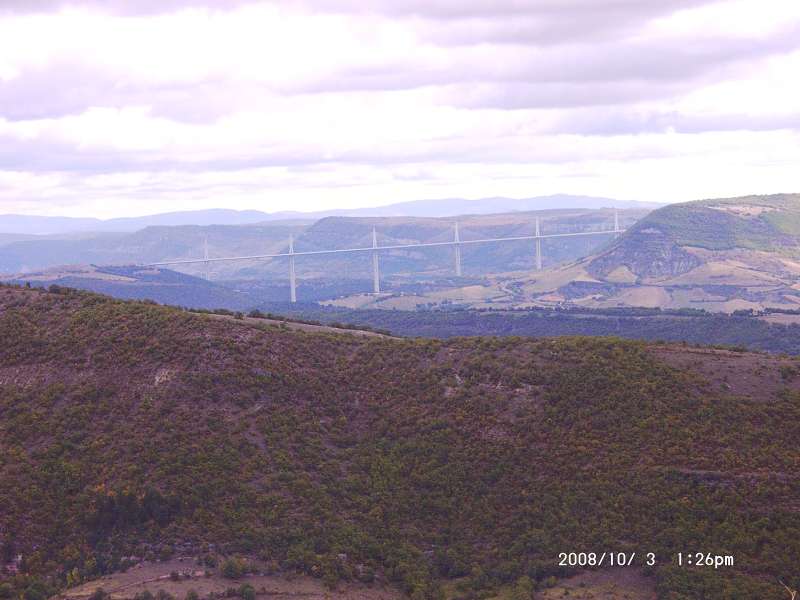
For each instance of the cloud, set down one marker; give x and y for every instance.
(60, 89)
(117, 7)
(443, 9)
(527, 23)
(174, 85)
(178, 100)
(615, 121)
(507, 9)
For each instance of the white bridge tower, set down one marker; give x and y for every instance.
(376, 270)
(457, 249)
(292, 274)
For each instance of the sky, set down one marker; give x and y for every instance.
(129, 107)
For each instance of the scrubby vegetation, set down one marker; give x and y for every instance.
(773, 226)
(129, 429)
(744, 330)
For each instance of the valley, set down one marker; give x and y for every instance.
(716, 255)
(689, 282)
(402, 269)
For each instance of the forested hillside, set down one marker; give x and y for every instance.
(128, 429)
(747, 331)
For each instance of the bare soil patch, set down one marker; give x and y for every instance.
(617, 584)
(758, 376)
(156, 576)
(298, 326)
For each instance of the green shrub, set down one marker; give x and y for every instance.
(208, 560)
(247, 592)
(233, 568)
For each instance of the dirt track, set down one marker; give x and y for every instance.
(299, 326)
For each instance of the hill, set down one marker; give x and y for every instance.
(42, 225)
(451, 207)
(725, 255)
(38, 225)
(329, 276)
(774, 332)
(130, 431)
(142, 283)
(717, 255)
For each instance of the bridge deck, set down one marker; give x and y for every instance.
(379, 248)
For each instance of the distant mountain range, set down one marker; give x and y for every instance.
(40, 225)
(36, 225)
(717, 255)
(30, 254)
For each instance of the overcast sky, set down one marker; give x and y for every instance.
(129, 107)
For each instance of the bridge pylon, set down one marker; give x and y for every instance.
(538, 246)
(457, 249)
(205, 257)
(292, 274)
(376, 270)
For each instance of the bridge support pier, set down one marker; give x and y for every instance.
(457, 248)
(538, 246)
(205, 256)
(376, 272)
(292, 274)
